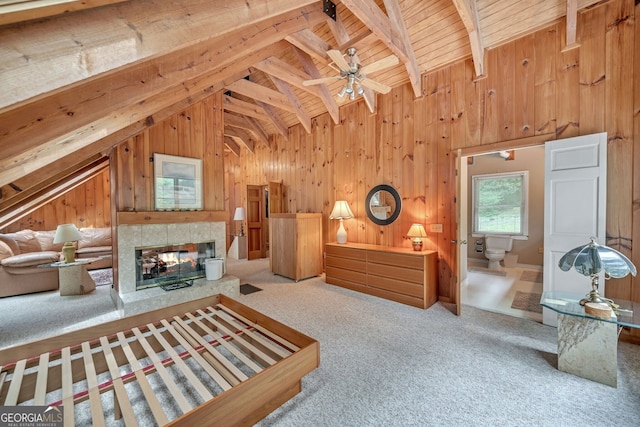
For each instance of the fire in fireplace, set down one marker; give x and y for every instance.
(169, 264)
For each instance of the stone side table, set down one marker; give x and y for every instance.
(73, 277)
(588, 346)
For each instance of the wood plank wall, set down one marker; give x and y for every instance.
(195, 132)
(87, 205)
(533, 92)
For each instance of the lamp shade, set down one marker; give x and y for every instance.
(417, 230)
(592, 258)
(341, 210)
(239, 214)
(66, 233)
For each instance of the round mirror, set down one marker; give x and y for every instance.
(383, 204)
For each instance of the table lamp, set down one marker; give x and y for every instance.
(239, 215)
(341, 211)
(589, 260)
(67, 234)
(416, 232)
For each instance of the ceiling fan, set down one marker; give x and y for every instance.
(355, 74)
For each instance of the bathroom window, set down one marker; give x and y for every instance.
(500, 203)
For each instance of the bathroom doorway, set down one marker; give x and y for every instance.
(518, 285)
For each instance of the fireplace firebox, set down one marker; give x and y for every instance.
(171, 264)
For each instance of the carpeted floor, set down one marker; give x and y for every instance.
(387, 364)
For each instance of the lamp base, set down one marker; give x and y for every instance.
(341, 236)
(69, 252)
(417, 244)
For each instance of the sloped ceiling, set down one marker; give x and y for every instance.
(79, 77)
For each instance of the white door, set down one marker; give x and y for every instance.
(575, 201)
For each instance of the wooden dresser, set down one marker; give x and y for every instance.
(295, 244)
(398, 274)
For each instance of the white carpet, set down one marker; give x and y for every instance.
(387, 364)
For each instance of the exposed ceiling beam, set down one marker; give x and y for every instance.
(309, 42)
(19, 207)
(261, 93)
(241, 122)
(468, 11)
(18, 11)
(245, 108)
(287, 91)
(323, 91)
(572, 25)
(272, 113)
(391, 30)
(241, 135)
(287, 72)
(232, 145)
(37, 133)
(258, 130)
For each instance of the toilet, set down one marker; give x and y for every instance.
(495, 249)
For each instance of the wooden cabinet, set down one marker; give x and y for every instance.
(296, 245)
(398, 274)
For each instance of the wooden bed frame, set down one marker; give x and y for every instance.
(212, 361)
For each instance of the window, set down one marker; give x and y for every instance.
(500, 203)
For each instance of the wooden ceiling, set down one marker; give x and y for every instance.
(80, 76)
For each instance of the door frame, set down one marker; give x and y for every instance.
(461, 162)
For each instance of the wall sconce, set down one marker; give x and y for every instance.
(416, 232)
(341, 211)
(239, 215)
(67, 234)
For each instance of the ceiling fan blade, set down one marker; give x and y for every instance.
(320, 81)
(378, 87)
(380, 64)
(338, 59)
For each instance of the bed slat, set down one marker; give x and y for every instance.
(238, 339)
(41, 380)
(92, 382)
(124, 403)
(220, 380)
(16, 383)
(233, 337)
(143, 382)
(162, 371)
(67, 387)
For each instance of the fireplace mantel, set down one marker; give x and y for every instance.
(170, 217)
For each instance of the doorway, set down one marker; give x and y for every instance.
(515, 290)
(262, 200)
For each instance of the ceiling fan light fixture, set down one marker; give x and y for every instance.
(343, 91)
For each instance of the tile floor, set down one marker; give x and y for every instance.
(495, 293)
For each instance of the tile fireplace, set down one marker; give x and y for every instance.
(171, 264)
(141, 244)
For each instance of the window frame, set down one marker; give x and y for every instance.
(524, 206)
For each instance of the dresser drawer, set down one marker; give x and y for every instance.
(396, 259)
(346, 252)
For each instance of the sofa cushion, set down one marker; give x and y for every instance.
(93, 251)
(31, 259)
(5, 250)
(46, 241)
(95, 237)
(22, 241)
